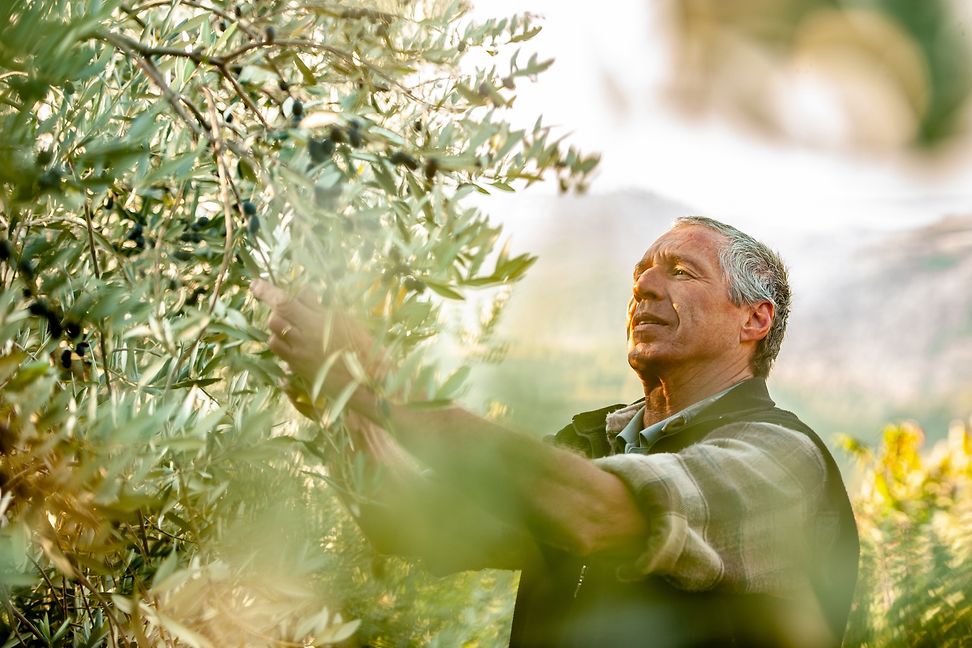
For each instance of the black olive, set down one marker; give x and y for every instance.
(182, 255)
(336, 135)
(320, 150)
(26, 268)
(139, 242)
(135, 232)
(253, 226)
(431, 168)
(39, 308)
(5, 250)
(222, 25)
(404, 159)
(297, 110)
(66, 358)
(72, 328)
(238, 11)
(283, 85)
(44, 157)
(200, 223)
(68, 88)
(270, 33)
(109, 202)
(54, 325)
(249, 208)
(50, 179)
(81, 348)
(354, 137)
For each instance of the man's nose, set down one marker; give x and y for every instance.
(646, 285)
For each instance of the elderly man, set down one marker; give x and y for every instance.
(701, 515)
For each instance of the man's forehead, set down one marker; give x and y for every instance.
(687, 241)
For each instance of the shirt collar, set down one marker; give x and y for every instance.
(634, 437)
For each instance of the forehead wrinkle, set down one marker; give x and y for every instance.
(667, 256)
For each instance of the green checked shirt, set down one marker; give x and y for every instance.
(743, 502)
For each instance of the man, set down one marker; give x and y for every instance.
(699, 516)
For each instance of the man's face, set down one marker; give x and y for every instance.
(680, 317)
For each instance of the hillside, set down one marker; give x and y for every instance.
(881, 327)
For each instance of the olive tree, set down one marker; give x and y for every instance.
(158, 155)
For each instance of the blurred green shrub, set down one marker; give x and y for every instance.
(914, 512)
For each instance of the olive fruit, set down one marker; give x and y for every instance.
(182, 255)
(44, 157)
(336, 135)
(50, 179)
(320, 150)
(403, 159)
(72, 328)
(249, 209)
(270, 33)
(66, 358)
(39, 308)
(81, 348)
(283, 85)
(109, 202)
(6, 251)
(253, 225)
(431, 168)
(297, 110)
(26, 268)
(354, 136)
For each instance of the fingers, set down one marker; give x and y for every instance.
(269, 294)
(279, 325)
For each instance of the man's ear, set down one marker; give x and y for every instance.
(757, 326)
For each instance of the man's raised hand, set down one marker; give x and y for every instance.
(296, 326)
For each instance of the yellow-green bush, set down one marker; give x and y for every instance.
(914, 512)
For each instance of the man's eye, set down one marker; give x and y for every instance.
(678, 272)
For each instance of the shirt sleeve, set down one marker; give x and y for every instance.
(736, 510)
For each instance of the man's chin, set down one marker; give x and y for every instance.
(642, 360)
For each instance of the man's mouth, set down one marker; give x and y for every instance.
(645, 320)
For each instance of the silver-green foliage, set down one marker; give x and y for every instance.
(159, 155)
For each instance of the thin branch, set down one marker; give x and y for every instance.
(97, 272)
(242, 94)
(222, 173)
(198, 5)
(141, 58)
(49, 583)
(30, 626)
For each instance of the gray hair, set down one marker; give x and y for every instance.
(754, 273)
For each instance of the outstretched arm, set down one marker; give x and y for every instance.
(564, 500)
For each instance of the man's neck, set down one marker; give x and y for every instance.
(667, 396)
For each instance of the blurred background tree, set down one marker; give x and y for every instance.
(914, 513)
(859, 74)
(155, 487)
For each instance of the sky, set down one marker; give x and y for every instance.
(606, 89)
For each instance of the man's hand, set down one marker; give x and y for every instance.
(296, 328)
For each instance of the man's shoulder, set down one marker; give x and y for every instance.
(586, 432)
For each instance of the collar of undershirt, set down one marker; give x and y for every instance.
(626, 430)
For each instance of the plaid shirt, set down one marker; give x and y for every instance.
(751, 539)
(735, 510)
